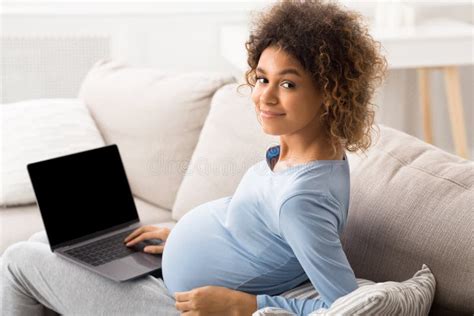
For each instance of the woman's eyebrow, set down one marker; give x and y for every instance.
(283, 72)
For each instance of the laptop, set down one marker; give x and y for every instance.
(88, 209)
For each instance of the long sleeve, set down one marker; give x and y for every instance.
(309, 224)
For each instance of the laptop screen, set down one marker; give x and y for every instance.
(82, 193)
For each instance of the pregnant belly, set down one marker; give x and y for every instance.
(199, 252)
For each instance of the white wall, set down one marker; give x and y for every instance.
(184, 36)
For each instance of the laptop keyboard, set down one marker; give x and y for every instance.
(104, 250)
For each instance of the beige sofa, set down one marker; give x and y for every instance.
(188, 138)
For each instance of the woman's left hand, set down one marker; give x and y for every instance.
(213, 300)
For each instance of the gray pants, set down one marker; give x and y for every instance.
(34, 281)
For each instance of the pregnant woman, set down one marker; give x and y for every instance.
(313, 71)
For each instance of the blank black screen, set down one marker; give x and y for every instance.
(82, 193)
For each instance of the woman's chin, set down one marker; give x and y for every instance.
(271, 130)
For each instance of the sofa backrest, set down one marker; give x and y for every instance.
(154, 117)
(413, 204)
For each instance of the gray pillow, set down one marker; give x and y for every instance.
(412, 297)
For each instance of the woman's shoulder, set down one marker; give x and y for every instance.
(310, 206)
(312, 195)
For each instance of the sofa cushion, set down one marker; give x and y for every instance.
(412, 203)
(231, 141)
(410, 297)
(154, 117)
(19, 223)
(40, 129)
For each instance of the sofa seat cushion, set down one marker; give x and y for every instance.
(155, 118)
(18, 223)
(21, 222)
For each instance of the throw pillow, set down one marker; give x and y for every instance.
(40, 129)
(411, 297)
(303, 291)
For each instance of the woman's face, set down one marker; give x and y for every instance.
(291, 95)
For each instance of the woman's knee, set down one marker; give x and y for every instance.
(39, 237)
(23, 253)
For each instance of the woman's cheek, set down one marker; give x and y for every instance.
(255, 95)
(254, 99)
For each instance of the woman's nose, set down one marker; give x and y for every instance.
(268, 96)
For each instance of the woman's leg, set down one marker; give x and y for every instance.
(40, 237)
(32, 276)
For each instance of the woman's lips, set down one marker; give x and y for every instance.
(270, 115)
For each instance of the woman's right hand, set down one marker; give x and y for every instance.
(148, 232)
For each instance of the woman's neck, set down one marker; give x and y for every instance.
(294, 150)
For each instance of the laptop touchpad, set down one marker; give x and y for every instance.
(143, 259)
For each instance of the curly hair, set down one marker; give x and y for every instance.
(334, 46)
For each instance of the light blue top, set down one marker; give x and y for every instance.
(278, 229)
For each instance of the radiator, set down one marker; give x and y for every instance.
(36, 66)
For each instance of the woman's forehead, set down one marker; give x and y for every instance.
(273, 60)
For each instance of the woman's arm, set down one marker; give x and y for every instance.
(246, 303)
(310, 225)
(215, 300)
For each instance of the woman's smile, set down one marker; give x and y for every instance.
(269, 115)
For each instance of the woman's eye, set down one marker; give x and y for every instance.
(289, 85)
(258, 78)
